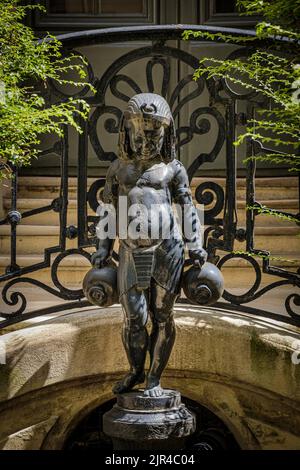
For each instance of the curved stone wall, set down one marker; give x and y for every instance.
(238, 366)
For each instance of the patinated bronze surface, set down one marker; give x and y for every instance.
(142, 422)
(150, 268)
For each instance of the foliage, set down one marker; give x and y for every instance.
(262, 255)
(26, 66)
(262, 209)
(272, 72)
(281, 12)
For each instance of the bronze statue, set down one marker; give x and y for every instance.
(150, 267)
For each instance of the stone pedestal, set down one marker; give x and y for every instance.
(138, 422)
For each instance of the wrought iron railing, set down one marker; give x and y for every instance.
(221, 220)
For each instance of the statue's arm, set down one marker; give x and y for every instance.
(107, 211)
(191, 227)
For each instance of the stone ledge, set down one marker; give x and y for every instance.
(237, 365)
(88, 342)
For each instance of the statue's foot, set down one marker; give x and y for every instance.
(129, 381)
(153, 388)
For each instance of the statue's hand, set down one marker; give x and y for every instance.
(100, 258)
(198, 256)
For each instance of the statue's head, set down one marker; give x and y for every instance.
(147, 129)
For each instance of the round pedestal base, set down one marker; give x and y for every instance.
(149, 423)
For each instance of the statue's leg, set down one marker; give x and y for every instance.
(162, 336)
(135, 338)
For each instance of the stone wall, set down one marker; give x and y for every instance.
(238, 366)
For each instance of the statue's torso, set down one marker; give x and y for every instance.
(147, 189)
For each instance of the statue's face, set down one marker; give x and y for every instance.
(146, 136)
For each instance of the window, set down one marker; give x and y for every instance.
(69, 6)
(121, 6)
(66, 15)
(225, 13)
(225, 6)
(95, 7)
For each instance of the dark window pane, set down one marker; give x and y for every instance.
(121, 6)
(71, 6)
(225, 6)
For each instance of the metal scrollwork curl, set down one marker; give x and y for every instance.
(296, 299)
(203, 126)
(62, 292)
(166, 74)
(68, 294)
(15, 298)
(93, 193)
(251, 293)
(111, 125)
(209, 192)
(129, 81)
(200, 85)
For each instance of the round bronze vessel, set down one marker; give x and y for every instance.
(203, 286)
(100, 286)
